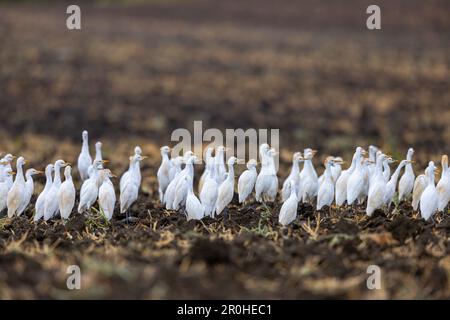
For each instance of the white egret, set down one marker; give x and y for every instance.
(377, 188)
(294, 175)
(98, 153)
(309, 181)
(226, 189)
(4, 189)
(266, 186)
(325, 195)
(130, 190)
(336, 170)
(169, 196)
(367, 163)
(84, 160)
(341, 183)
(181, 190)
(163, 172)
(40, 202)
(219, 164)
(5, 167)
(391, 186)
(429, 197)
(209, 192)
(443, 186)
(387, 168)
(29, 190)
(420, 184)
(17, 193)
(89, 188)
(51, 206)
(67, 194)
(247, 180)
(175, 167)
(106, 194)
(194, 209)
(373, 151)
(406, 184)
(355, 183)
(288, 211)
(138, 176)
(209, 164)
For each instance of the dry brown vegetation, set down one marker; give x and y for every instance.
(137, 71)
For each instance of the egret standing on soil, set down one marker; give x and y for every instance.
(391, 186)
(130, 190)
(377, 188)
(17, 193)
(341, 183)
(294, 175)
(67, 194)
(443, 186)
(266, 186)
(51, 205)
(5, 166)
(4, 189)
(288, 211)
(226, 189)
(89, 189)
(40, 202)
(247, 180)
(406, 184)
(29, 190)
(325, 194)
(169, 196)
(137, 152)
(209, 191)
(106, 194)
(420, 184)
(163, 174)
(84, 160)
(209, 165)
(429, 197)
(194, 209)
(355, 183)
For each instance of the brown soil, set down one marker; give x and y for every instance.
(137, 71)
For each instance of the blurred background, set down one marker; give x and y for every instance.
(139, 69)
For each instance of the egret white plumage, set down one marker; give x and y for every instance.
(355, 183)
(219, 164)
(387, 168)
(106, 194)
(341, 183)
(130, 190)
(309, 181)
(247, 180)
(336, 169)
(169, 196)
(325, 195)
(429, 197)
(391, 186)
(175, 167)
(226, 189)
(181, 189)
(377, 188)
(209, 192)
(420, 184)
(373, 151)
(443, 186)
(89, 188)
(209, 164)
(51, 205)
(406, 184)
(4, 189)
(163, 173)
(98, 153)
(194, 209)
(138, 176)
(294, 175)
(84, 159)
(266, 186)
(40, 202)
(288, 211)
(5, 167)
(29, 190)
(67, 194)
(17, 193)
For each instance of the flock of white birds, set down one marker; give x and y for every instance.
(368, 180)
